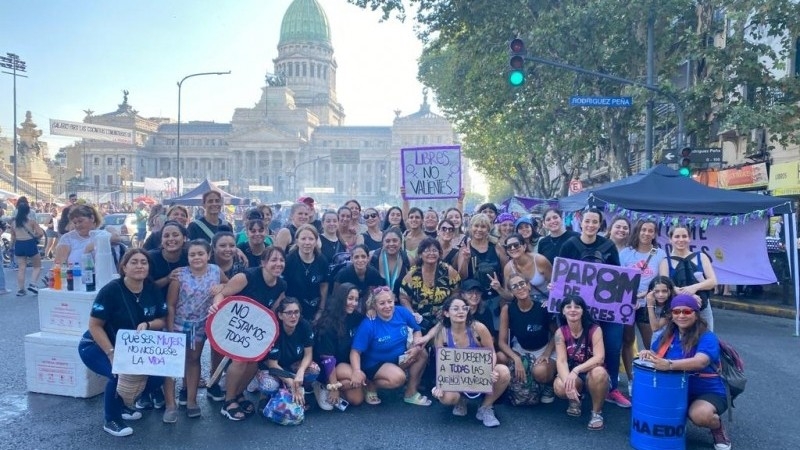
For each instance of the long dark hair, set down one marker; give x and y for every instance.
(633, 239)
(446, 307)
(586, 317)
(334, 315)
(23, 209)
(666, 281)
(386, 223)
(690, 338)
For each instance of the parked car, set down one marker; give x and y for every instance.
(123, 224)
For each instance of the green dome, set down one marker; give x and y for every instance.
(305, 21)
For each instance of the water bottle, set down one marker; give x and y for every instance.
(63, 277)
(88, 273)
(76, 276)
(70, 279)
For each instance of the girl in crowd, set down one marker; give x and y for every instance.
(457, 219)
(294, 350)
(25, 235)
(360, 273)
(481, 260)
(51, 233)
(72, 245)
(372, 237)
(355, 209)
(380, 357)
(298, 215)
(700, 283)
(527, 228)
(428, 283)
(472, 292)
(446, 231)
(255, 245)
(530, 265)
(130, 302)
(589, 246)
(688, 345)
(254, 215)
(330, 244)
(391, 260)
(550, 245)
(459, 330)
(212, 221)
(660, 292)
(335, 329)
(166, 261)
(414, 234)
(157, 217)
(504, 224)
(177, 213)
(224, 254)
(619, 232)
(525, 338)
(579, 358)
(188, 299)
(306, 272)
(264, 285)
(347, 235)
(429, 222)
(394, 218)
(266, 216)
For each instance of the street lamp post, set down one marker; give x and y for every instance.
(180, 83)
(12, 61)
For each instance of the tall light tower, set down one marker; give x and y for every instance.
(12, 61)
(180, 83)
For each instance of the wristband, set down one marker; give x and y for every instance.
(148, 325)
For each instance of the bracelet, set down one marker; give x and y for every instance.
(148, 325)
(669, 364)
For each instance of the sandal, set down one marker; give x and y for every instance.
(574, 409)
(371, 397)
(596, 422)
(417, 399)
(246, 405)
(193, 412)
(232, 413)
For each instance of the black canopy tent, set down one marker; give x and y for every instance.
(195, 196)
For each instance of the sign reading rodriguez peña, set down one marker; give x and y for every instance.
(464, 369)
(242, 329)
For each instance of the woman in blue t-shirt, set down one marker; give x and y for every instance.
(687, 345)
(381, 354)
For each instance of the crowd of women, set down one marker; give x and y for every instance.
(362, 301)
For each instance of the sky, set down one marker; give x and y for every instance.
(81, 54)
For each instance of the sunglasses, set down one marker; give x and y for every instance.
(368, 216)
(447, 229)
(519, 285)
(513, 246)
(682, 312)
(380, 289)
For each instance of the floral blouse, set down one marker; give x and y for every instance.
(426, 300)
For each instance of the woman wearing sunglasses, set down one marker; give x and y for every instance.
(688, 345)
(530, 265)
(372, 237)
(445, 233)
(381, 355)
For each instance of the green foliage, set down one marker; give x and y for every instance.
(472, 200)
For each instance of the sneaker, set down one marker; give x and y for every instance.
(144, 402)
(117, 428)
(486, 415)
(321, 394)
(21, 293)
(215, 393)
(548, 396)
(4, 291)
(182, 397)
(157, 398)
(616, 397)
(130, 414)
(721, 440)
(170, 415)
(460, 409)
(32, 287)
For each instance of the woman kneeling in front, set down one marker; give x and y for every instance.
(379, 356)
(687, 345)
(461, 331)
(580, 355)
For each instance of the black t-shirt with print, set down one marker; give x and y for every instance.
(121, 309)
(289, 348)
(258, 290)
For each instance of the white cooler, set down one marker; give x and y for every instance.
(53, 366)
(65, 312)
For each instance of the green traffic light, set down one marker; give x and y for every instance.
(685, 172)
(516, 78)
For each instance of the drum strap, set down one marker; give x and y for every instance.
(665, 346)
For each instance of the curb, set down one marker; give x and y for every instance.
(764, 310)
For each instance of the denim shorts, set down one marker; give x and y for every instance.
(27, 248)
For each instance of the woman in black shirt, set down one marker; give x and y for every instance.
(306, 272)
(361, 274)
(293, 350)
(550, 245)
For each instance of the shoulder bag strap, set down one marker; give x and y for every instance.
(205, 228)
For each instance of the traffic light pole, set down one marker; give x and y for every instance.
(656, 89)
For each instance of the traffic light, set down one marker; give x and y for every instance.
(686, 162)
(516, 62)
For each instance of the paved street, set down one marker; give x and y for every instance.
(766, 417)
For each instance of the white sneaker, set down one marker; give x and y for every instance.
(548, 396)
(460, 409)
(321, 394)
(486, 415)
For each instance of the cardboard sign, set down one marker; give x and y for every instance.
(242, 329)
(149, 353)
(431, 172)
(464, 369)
(609, 291)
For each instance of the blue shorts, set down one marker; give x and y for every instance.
(27, 248)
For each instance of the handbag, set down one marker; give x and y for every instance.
(129, 387)
(282, 409)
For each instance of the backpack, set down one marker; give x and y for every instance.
(731, 369)
(683, 274)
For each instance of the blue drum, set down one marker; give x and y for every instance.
(658, 418)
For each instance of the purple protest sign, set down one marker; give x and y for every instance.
(431, 172)
(609, 291)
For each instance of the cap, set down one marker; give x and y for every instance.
(522, 220)
(470, 284)
(306, 200)
(504, 217)
(684, 300)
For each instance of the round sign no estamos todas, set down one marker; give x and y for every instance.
(242, 329)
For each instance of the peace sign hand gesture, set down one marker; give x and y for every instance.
(494, 282)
